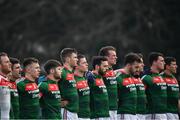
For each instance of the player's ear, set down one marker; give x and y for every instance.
(68, 59)
(96, 67)
(51, 70)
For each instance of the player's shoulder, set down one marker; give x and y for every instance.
(20, 80)
(120, 72)
(43, 84)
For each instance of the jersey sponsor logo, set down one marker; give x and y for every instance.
(31, 87)
(158, 80)
(70, 77)
(170, 80)
(172, 84)
(139, 84)
(99, 82)
(4, 82)
(81, 84)
(109, 73)
(137, 80)
(127, 81)
(53, 87)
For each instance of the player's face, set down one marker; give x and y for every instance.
(112, 57)
(83, 65)
(173, 67)
(142, 65)
(16, 71)
(160, 63)
(135, 68)
(5, 64)
(103, 67)
(34, 70)
(57, 72)
(73, 60)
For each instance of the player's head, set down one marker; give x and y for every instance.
(31, 67)
(82, 63)
(110, 53)
(156, 60)
(133, 63)
(100, 64)
(142, 62)
(54, 68)
(16, 68)
(5, 64)
(170, 64)
(69, 56)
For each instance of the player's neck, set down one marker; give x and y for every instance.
(67, 66)
(79, 73)
(11, 78)
(29, 77)
(167, 72)
(3, 74)
(96, 72)
(154, 69)
(126, 70)
(51, 77)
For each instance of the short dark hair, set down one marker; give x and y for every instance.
(14, 60)
(66, 52)
(97, 60)
(29, 61)
(153, 56)
(2, 54)
(168, 60)
(140, 55)
(79, 57)
(104, 51)
(131, 58)
(50, 64)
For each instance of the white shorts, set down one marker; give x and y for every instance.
(102, 118)
(113, 114)
(67, 115)
(83, 118)
(156, 116)
(141, 116)
(172, 116)
(5, 103)
(126, 117)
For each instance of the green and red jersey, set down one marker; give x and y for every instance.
(84, 97)
(28, 99)
(172, 93)
(99, 103)
(156, 92)
(111, 85)
(67, 86)
(50, 99)
(127, 94)
(14, 112)
(141, 96)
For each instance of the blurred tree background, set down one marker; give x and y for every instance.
(42, 28)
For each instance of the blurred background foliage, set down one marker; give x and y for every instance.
(42, 28)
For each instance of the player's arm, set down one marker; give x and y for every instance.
(42, 89)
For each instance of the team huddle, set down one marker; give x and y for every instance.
(69, 90)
